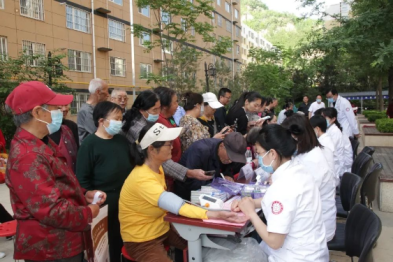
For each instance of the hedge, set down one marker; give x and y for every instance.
(384, 125)
(366, 113)
(375, 116)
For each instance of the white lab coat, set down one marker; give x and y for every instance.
(315, 106)
(317, 166)
(346, 117)
(348, 154)
(281, 117)
(327, 150)
(292, 206)
(340, 157)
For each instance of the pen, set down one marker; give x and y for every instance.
(222, 176)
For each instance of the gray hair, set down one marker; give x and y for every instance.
(95, 84)
(116, 91)
(22, 118)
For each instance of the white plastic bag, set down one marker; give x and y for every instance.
(246, 251)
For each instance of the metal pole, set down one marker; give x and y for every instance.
(50, 70)
(207, 78)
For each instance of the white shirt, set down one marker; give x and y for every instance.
(327, 150)
(348, 154)
(346, 117)
(315, 106)
(317, 166)
(337, 137)
(292, 206)
(281, 117)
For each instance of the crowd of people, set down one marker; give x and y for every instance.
(146, 160)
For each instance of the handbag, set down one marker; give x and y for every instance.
(3, 164)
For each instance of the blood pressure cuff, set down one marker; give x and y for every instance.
(170, 202)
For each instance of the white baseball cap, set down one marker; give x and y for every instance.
(159, 132)
(212, 100)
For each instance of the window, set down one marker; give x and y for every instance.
(237, 29)
(213, 18)
(145, 70)
(1, 4)
(79, 100)
(218, 2)
(116, 30)
(192, 31)
(34, 49)
(119, 2)
(239, 68)
(229, 26)
(183, 24)
(79, 61)
(165, 17)
(32, 8)
(118, 66)
(3, 48)
(145, 11)
(168, 46)
(237, 49)
(236, 14)
(227, 7)
(219, 20)
(145, 37)
(78, 19)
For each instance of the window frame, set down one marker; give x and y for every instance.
(2, 4)
(41, 6)
(219, 20)
(123, 30)
(113, 1)
(81, 59)
(227, 7)
(219, 2)
(140, 10)
(3, 48)
(147, 71)
(34, 47)
(88, 17)
(124, 65)
(236, 13)
(228, 26)
(142, 40)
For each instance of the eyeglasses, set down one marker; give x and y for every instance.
(122, 98)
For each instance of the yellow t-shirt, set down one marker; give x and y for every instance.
(141, 219)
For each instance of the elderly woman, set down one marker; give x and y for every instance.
(144, 199)
(49, 204)
(104, 163)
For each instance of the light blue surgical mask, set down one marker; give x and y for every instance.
(57, 119)
(152, 118)
(114, 127)
(331, 100)
(327, 123)
(319, 100)
(269, 169)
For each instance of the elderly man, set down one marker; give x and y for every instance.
(318, 104)
(211, 154)
(98, 90)
(119, 96)
(51, 208)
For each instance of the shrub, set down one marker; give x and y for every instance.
(375, 116)
(384, 125)
(366, 113)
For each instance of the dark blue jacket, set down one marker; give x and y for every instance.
(203, 154)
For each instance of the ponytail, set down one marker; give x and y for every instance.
(331, 112)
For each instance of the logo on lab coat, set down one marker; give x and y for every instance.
(277, 207)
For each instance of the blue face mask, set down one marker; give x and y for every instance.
(269, 169)
(57, 119)
(152, 118)
(331, 100)
(327, 123)
(114, 127)
(319, 100)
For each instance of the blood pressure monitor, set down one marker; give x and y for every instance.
(210, 202)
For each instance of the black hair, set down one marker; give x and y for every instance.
(319, 95)
(103, 109)
(333, 90)
(289, 113)
(319, 121)
(253, 134)
(250, 96)
(305, 96)
(145, 100)
(268, 120)
(300, 127)
(278, 138)
(269, 100)
(191, 99)
(139, 155)
(223, 91)
(331, 112)
(319, 112)
(165, 95)
(287, 105)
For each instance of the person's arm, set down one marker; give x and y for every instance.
(35, 186)
(85, 166)
(350, 115)
(309, 114)
(242, 125)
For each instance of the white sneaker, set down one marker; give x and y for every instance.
(2, 254)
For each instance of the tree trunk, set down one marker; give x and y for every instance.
(379, 94)
(390, 79)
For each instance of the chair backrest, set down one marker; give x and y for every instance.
(350, 190)
(369, 150)
(362, 230)
(361, 164)
(369, 186)
(355, 145)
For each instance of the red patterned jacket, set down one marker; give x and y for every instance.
(47, 200)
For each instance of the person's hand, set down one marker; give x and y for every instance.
(229, 178)
(256, 162)
(259, 122)
(358, 136)
(198, 174)
(90, 196)
(247, 206)
(235, 205)
(95, 209)
(219, 136)
(227, 216)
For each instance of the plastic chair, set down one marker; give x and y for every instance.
(358, 236)
(369, 186)
(8, 229)
(369, 150)
(349, 194)
(361, 164)
(355, 145)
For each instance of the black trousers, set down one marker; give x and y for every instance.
(4, 215)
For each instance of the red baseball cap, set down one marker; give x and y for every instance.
(28, 95)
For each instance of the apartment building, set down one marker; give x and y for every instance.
(342, 9)
(96, 36)
(252, 39)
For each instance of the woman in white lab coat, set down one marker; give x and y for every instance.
(311, 156)
(332, 154)
(292, 206)
(334, 131)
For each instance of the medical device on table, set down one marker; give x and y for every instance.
(210, 202)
